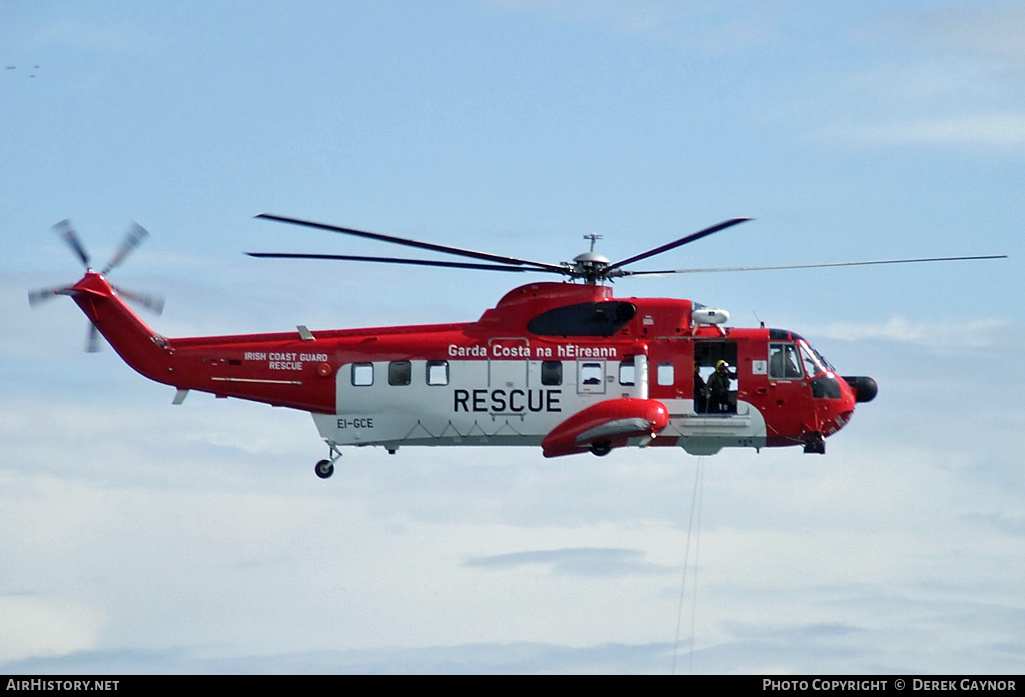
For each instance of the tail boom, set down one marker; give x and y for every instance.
(226, 366)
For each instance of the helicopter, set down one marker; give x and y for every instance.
(565, 366)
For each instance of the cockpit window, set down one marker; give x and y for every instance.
(813, 365)
(783, 362)
(584, 319)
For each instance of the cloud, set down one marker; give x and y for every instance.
(633, 17)
(34, 625)
(701, 26)
(993, 30)
(941, 336)
(997, 129)
(87, 36)
(581, 561)
(1007, 524)
(465, 659)
(948, 76)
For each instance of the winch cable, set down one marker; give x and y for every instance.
(695, 503)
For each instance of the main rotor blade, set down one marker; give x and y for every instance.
(809, 266)
(395, 260)
(680, 242)
(135, 235)
(445, 249)
(67, 233)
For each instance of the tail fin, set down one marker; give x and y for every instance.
(140, 347)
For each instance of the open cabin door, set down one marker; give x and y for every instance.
(715, 394)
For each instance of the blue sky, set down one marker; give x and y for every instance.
(137, 536)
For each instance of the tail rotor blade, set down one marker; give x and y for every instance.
(133, 238)
(92, 339)
(67, 233)
(41, 295)
(153, 303)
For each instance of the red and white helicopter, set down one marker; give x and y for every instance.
(565, 366)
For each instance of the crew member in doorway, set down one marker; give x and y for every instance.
(700, 391)
(719, 389)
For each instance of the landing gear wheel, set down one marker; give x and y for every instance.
(601, 448)
(324, 469)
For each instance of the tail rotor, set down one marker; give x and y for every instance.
(133, 238)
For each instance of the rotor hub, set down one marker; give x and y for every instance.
(590, 266)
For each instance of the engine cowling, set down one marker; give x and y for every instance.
(606, 425)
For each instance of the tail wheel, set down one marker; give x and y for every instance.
(324, 469)
(601, 448)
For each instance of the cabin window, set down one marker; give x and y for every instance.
(362, 374)
(584, 319)
(437, 372)
(783, 362)
(627, 372)
(551, 373)
(590, 374)
(400, 373)
(666, 374)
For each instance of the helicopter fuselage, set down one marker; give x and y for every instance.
(564, 366)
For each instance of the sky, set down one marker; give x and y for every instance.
(141, 537)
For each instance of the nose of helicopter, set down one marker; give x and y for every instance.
(834, 414)
(864, 387)
(838, 413)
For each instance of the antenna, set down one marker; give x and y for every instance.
(594, 238)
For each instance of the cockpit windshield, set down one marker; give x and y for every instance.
(821, 375)
(829, 366)
(814, 363)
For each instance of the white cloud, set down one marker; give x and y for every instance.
(224, 560)
(1002, 129)
(633, 17)
(581, 561)
(945, 76)
(941, 336)
(694, 25)
(87, 35)
(35, 625)
(985, 29)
